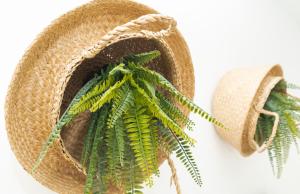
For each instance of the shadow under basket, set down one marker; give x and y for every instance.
(62, 59)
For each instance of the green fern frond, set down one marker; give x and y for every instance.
(97, 102)
(132, 174)
(160, 114)
(113, 156)
(158, 79)
(143, 58)
(154, 144)
(287, 107)
(120, 135)
(94, 158)
(292, 125)
(109, 94)
(122, 101)
(64, 120)
(97, 90)
(183, 152)
(174, 113)
(148, 88)
(88, 140)
(137, 123)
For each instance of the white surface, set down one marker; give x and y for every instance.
(221, 35)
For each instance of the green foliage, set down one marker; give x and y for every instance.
(157, 79)
(137, 122)
(143, 58)
(88, 140)
(64, 120)
(94, 157)
(122, 102)
(288, 109)
(131, 123)
(173, 112)
(174, 143)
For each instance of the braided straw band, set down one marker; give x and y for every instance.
(174, 177)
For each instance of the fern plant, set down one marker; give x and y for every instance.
(288, 109)
(134, 118)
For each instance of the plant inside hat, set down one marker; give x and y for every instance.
(287, 107)
(134, 118)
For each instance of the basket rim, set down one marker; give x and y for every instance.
(273, 75)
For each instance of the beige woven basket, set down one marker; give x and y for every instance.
(239, 100)
(62, 59)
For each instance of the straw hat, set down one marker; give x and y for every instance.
(63, 57)
(239, 100)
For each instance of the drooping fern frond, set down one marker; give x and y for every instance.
(174, 113)
(287, 107)
(174, 143)
(108, 80)
(88, 140)
(98, 101)
(94, 158)
(132, 175)
(64, 120)
(121, 103)
(137, 123)
(161, 115)
(158, 79)
(114, 155)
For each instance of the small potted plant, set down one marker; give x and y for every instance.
(262, 114)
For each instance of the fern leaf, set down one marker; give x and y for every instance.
(64, 120)
(109, 94)
(89, 98)
(133, 177)
(94, 158)
(122, 101)
(154, 145)
(113, 156)
(173, 112)
(161, 115)
(183, 152)
(158, 79)
(120, 134)
(88, 140)
(137, 124)
(143, 58)
(292, 125)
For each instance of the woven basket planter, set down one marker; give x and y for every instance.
(239, 100)
(62, 59)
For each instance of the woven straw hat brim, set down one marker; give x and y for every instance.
(237, 99)
(63, 57)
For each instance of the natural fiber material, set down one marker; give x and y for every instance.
(174, 177)
(239, 100)
(62, 59)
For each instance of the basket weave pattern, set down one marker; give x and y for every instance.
(60, 61)
(238, 99)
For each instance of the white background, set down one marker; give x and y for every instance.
(221, 34)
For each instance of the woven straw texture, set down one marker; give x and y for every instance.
(62, 58)
(239, 96)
